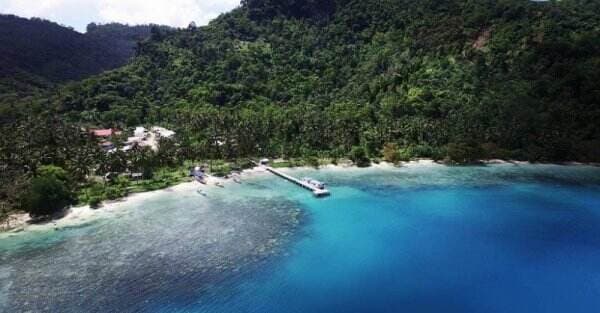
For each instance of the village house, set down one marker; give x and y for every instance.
(144, 138)
(141, 137)
(140, 132)
(163, 132)
(105, 133)
(107, 146)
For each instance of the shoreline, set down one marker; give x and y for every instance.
(21, 222)
(77, 215)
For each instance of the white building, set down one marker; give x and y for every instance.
(144, 138)
(140, 132)
(163, 132)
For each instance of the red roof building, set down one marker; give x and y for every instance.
(105, 132)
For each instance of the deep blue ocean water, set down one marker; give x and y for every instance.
(503, 238)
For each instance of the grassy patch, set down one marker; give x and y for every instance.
(95, 192)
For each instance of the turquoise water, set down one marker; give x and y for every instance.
(501, 238)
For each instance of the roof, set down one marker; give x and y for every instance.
(163, 132)
(106, 132)
(102, 132)
(134, 139)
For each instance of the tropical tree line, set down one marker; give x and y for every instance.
(458, 80)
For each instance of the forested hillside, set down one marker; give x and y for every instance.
(516, 79)
(35, 53)
(458, 80)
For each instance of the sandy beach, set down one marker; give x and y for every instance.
(21, 222)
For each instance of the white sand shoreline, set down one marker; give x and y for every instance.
(21, 222)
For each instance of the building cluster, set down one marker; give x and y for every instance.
(142, 137)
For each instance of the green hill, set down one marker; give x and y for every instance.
(35, 53)
(458, 80)
(509, 78)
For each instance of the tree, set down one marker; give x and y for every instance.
(312, 161)
(53, 171)
(358, 155)
(463, 153)
(142, 160)
(391, 153)
(167, 152)
(4, 214)
(297, 78)
(49, 192)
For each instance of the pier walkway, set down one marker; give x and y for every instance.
(316, 191)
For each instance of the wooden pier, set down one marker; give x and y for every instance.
(316, 191)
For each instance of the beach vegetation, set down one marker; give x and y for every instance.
(391, 153)
(463, 153)
(358, 155)
(49, 192)
(312, 161)
(95, 202)
(298, 80)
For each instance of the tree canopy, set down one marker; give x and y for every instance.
(49, 192)
(458, 80)
(36, 53)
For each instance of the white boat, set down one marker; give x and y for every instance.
(313, 182)
(264, 162)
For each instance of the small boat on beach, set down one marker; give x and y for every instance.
(236, 177)
(198, 174)
(218, 184)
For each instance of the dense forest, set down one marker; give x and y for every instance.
(456, 80)
(36, 53)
